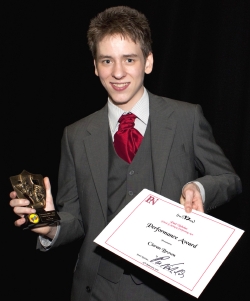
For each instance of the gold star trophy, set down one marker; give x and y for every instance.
(31, 186)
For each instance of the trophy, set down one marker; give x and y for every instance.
(31, 186)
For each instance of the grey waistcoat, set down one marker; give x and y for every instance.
(125, 181)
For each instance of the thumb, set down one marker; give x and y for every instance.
(49, 199)
(188, 203)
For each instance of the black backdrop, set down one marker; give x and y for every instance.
(201, 52)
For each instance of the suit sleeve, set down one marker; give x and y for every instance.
(67, 200)
(219, 179)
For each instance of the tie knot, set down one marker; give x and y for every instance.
(127, 120)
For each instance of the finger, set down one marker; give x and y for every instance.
(19, 222)
(188, 206)
(188, 203)
(13, 195)
(182, 200)
(49, 198)
(18, 202)
(22, 211)
(199, 205)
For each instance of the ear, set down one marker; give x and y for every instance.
(96, 71)
(149, 63)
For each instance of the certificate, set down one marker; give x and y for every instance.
(157, 235)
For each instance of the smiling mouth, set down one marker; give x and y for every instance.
(119, 86)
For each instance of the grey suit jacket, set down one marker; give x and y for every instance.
(183, 150)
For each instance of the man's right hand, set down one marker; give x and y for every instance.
(20, 208)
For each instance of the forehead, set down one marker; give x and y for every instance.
(117, 44)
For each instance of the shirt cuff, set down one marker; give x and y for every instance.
(48, 243)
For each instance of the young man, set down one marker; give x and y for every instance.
(177, 158)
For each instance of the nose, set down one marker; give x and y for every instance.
(118, 71)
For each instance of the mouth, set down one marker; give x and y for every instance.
(119, 86)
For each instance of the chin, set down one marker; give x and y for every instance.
(119, 101)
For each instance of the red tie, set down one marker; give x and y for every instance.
(127, 139)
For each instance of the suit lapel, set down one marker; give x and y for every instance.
(96, 145)
(163, 125)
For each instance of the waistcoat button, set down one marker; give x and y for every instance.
(88, 289)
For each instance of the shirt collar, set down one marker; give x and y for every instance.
(140, 109)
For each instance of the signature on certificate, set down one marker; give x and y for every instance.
(173, 268)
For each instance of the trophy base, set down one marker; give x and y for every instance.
(40, 219)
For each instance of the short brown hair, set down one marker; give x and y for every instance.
(123, 20)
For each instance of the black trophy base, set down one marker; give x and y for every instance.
(40, 219)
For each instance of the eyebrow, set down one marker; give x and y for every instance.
(130, 55)
(110, 57)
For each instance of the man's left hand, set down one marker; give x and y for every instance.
(191, 198)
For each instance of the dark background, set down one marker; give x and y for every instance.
(201, 52)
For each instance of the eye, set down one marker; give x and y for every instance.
(130, 60)
(107, 62)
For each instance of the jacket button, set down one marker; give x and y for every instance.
(88, 289)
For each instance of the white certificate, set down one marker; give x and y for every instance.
(157, 235)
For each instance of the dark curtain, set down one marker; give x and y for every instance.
(201, 55)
